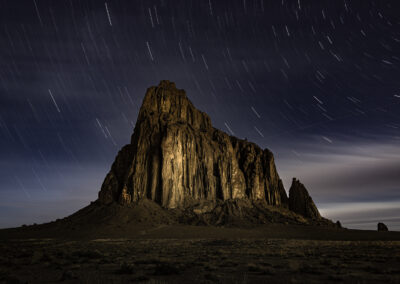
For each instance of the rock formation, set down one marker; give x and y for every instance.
(382, 227)
(177, 159)
(301, 202)
(176, 156)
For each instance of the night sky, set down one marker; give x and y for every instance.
(316, 82)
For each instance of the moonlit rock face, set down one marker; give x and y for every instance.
(176, 157)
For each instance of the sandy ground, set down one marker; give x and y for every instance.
(195, 254)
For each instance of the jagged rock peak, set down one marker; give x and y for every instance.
(171, 105)
(176, 158)
(301, 202)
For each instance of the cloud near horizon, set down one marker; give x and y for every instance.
(358, 184)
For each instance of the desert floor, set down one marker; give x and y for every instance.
(195, 254)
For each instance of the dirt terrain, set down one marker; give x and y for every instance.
(273, 253)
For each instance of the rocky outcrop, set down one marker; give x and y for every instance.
(382, 227)
(176, 158)
(301, 202)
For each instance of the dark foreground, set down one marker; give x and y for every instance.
(194, 254)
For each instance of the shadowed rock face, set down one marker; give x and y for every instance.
(301, 202)
(176, 158)
(382, 227)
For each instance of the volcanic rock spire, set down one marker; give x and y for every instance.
(301, 202)
(176, 158)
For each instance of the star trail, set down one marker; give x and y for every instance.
(316, 82)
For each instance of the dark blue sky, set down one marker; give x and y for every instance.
(317, 82)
